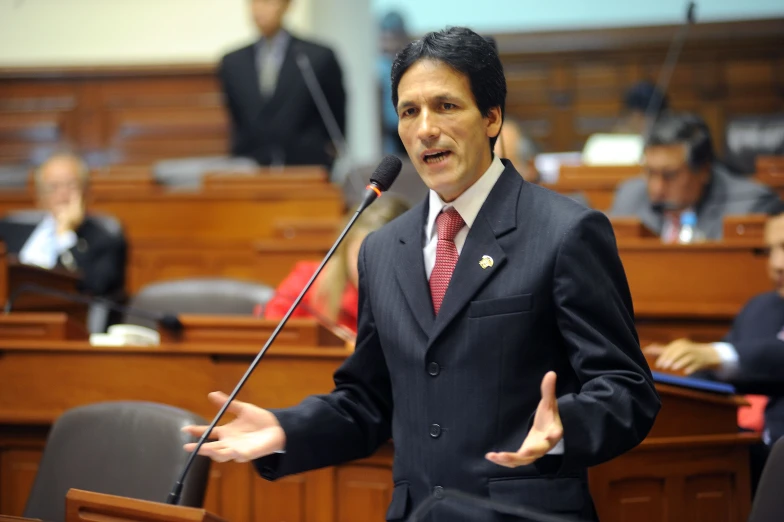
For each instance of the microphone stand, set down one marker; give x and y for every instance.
(176, 492)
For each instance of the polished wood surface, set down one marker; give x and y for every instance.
(88, 506)
(693, 463)
(596, 183)
(233, 229)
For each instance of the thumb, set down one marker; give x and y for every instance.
(548, 388)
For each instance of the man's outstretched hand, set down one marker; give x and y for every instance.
(253, 434)
(545, 433)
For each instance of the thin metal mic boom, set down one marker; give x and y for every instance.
(317, 93)
(669, 66)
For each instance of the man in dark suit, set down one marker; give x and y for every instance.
(470, 305)
(751, 355)
(67, 237)
(274, 119)
(681, 175)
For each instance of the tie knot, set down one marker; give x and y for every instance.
(449, 224)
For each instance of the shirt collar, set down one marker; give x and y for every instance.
(469, 202)
(278, 42)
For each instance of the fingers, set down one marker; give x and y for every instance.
(198, 431)
(219, 398)
(654, 350)
(528, 453)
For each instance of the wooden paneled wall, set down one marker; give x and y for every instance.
(112, 114)
(567, 85)
(564, 85)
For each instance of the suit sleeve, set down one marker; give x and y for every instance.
(617, 402)
(103, 271)
(760, 367)
(231, 108)
(347, 424)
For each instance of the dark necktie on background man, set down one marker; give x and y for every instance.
(448, 224)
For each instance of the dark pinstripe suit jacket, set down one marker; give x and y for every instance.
(450, 388)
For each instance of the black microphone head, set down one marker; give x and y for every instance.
(170, 322)
(386, 172)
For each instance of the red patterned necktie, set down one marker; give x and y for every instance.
(449, 224)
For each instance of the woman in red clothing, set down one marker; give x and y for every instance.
(333, 298)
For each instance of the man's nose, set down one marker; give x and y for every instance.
(428, 129)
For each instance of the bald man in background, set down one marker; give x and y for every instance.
(68, 238)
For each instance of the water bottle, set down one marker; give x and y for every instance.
(689, 233)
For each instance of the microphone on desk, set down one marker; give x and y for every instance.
(380, 181)
(169, 321)
(521, 512)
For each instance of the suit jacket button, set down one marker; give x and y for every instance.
(438, 492)
(435, 431)
(433, 368)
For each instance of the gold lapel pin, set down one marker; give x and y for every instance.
(486, 262)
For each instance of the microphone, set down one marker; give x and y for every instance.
(380, 181)
(320, 99)
(521, 512)
(669, 66)
(169, 321)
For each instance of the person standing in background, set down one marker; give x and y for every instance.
(274, 119)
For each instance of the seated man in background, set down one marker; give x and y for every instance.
(752, 353)
(680, 176)
(68, 238)
(274, 119)
(518, 147)
(333, 299)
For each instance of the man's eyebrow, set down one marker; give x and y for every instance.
(405, 104)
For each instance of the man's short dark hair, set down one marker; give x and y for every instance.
(643, 95)
(683, 129)
(467, 53)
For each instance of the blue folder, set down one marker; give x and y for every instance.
(693, 383)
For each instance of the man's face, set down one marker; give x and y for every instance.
(774, 238)
(670, 180)
(445, 135)
(268, 15)
(60, 184)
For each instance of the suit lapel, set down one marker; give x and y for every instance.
(250, 79)
(497, 216)
(410, 269)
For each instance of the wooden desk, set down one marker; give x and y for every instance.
(596, 183)
(691, 290)
(693, 466)
(231, 228)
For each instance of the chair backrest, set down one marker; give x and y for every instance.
(768, 503)
(221, 296)
(127, 448)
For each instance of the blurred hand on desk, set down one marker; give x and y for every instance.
(685, 355)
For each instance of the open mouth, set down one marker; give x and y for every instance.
(436, 157)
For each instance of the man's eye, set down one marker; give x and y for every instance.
(449, 106)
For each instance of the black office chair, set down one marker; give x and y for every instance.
(750, 136)
(127, 448)
(219, 296)
(768, 503)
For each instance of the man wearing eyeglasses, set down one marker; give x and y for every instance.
(680, 175)
(68, 238)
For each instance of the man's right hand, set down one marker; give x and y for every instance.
(253, 434)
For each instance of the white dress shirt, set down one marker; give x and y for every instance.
(45, 245)
(467, 205)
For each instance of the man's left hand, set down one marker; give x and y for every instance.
(545, 433)
(688, 356)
